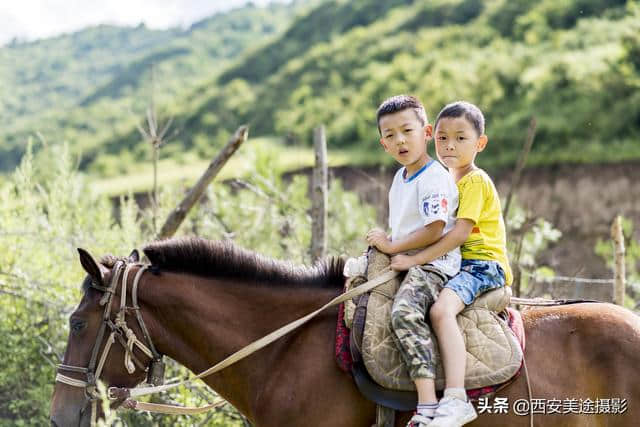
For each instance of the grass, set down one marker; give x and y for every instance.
(271, 151)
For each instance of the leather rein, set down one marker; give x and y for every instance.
(121, 333)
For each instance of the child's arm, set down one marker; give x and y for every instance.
(420, 238)
(454, 238)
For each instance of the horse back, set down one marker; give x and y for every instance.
(592, 335)
(576, 354)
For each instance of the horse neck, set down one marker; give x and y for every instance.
(199, 322)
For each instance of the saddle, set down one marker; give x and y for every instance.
(494, 354)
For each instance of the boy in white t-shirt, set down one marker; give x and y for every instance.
(423, 200)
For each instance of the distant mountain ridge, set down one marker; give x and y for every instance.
(62, 85)
(572, 64)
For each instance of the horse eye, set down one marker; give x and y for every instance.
(77, 325)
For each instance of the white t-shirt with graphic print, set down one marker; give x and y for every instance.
(417, 201)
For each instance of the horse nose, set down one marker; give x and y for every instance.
(53, 423)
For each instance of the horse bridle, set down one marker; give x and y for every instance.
(121, 333)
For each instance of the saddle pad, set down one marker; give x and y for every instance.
(406, 400)
(342, 348)
(493, 352)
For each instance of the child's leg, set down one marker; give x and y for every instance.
(413, 335)
(443, 319)
(475, 277)
(415, 338)
(454, 410)
(426, 391)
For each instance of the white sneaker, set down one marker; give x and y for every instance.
(419, 420)
(453, 412)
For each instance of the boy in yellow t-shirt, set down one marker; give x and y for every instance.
(480, 233)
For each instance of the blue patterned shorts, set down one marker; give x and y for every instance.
(476, 277)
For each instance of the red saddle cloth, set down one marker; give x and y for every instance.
(343, 349)
(344, 360)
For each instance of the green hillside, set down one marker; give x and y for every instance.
(573, 64)
(82, 87)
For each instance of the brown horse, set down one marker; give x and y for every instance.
(202, 301)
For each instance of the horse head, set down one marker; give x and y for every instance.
(104, 344)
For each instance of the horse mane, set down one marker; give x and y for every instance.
(209, 258)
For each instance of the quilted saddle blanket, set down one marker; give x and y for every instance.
(494, 354)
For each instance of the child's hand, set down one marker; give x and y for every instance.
(378, 238)
(402, 262)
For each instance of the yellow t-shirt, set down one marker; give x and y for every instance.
(480, 203)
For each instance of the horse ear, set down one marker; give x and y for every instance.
(90, 265)
(134, 256)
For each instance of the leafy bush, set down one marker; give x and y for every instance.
(47, 210)
(605, 249)
(528, 237)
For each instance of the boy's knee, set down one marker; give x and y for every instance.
(440, 312)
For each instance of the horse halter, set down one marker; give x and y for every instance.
(121, 333)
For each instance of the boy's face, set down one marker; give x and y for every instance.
(404, 137)
(457, 142)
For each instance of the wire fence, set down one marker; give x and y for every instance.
(566, 279)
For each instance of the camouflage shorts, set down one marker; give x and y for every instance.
(412, 333)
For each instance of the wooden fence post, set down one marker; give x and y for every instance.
(619, 261)
(319, 196)
(179, 213)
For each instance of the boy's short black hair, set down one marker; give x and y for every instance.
(399, 103)
(466, 109)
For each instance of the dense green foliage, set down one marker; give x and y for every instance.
(83, 86)
(573, 64)
(45, 213)
(47, 210)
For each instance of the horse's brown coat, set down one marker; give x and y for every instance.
(575, 351)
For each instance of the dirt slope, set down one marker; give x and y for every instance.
(580, 200)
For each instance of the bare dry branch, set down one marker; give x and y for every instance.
(522, 160)
(164, 130)
(619, 262)
(319, 197)
(180, 212)
(151, 122)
